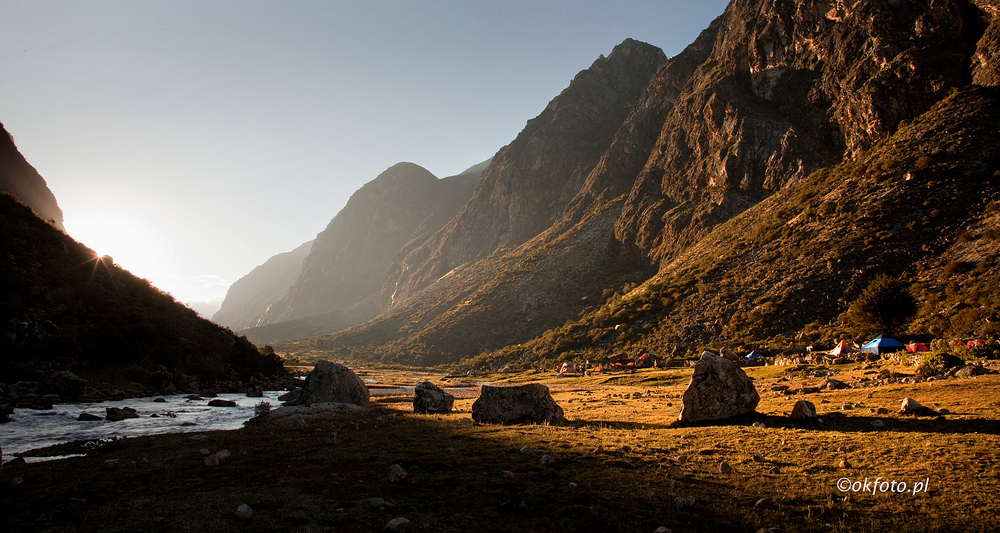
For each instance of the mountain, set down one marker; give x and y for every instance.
(19, 178)
(65, 308)
(770, 98)
(347, 264)
(250, 296)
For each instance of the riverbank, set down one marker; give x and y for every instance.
(620, 463)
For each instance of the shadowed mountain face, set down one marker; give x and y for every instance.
(250, 296)
(347, 264)
(768, 94)
(67, 309)
(19, 178)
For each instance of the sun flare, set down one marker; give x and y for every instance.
(127, 237)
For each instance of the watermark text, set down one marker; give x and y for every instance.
(881, 485)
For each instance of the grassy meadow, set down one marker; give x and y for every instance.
(619, 463)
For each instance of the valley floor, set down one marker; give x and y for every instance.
(620, 463)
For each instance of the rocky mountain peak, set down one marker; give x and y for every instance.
(19, 178)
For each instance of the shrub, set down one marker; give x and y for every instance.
(884, 306)
(261, 409)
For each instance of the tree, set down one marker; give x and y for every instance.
(884, 306)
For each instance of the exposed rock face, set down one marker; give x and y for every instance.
(429, 398)
(332, 383)
(23, 181)
(719, 389)
(529, 183)
(531, 403)
(250, 296)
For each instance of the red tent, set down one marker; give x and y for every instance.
(917, 347)
(976, 342)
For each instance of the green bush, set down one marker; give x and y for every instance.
(884, 306)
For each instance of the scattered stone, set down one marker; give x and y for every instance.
(222, 403)
(161, 400)
(547, 459)
(428, 398)
(758, 425)
(198, 437)
(758, 458)
(161, 521)
(971, 371)
(531, 403)
(212, 460)
(527, 451)
(882, 411)
(718, 389)
(809, 390)
(116, 414)
(398, 525)
(397, 474)
(508, 475)
(244, 512)
(205, 451)
(465, 422)
(374, 503)
(663, 529)
(681, 502)
(763, 503)
(878, 424)
(675, 472)
(222, 456)
(193, 397)
(87, 417)
(111, 464)
(598, 449)
(331, 438)
(682, 459)
(15, 481)
(626, 449)
(724, 468)
(332, 383)
(833, 384)
(804, 410)
(844, 463)
(300, 425)
(912, 407)
(847, 406)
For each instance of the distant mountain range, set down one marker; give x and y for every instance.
(639, 166)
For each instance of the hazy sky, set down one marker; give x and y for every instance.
(193, 140)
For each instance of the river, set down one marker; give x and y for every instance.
(31, 429)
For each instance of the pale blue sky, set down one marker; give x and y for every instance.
(192, 140)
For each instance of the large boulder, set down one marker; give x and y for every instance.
(531, 403)
(64, 383)
(331, 383)
(719, 389)
(429, 398)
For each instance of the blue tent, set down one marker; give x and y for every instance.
(754, 355)
(880, 345)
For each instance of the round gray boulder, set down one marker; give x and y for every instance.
(719, 389)
(331, 383)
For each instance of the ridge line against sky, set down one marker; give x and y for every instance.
(194, 140)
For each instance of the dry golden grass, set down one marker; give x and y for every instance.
(611, 469)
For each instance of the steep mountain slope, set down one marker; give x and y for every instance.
(250, 296)
(768, 94)
(922, 205)
(347, 265)
(19, 178)
(530, 181)
(65, 308)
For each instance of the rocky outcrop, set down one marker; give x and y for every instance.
(428, 398)
(719, 389)
(250, 296)
(20, 179)
(520, 404)
(331, 383)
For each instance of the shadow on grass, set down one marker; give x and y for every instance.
(862, 424)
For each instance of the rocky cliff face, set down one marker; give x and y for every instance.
(250, 296)
(349, 260)
(530, 181)
(19, 178)
(772, 91)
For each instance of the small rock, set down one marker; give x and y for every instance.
(675, 472)
(15, 481)
(466, 421)
(508, 475)
(663, 529)
(878, 424)
(682, 459)
(598, 449)
(758, 458)
(758, 425)
(300, 425)
(847, 406)
(115, 414)
(681, 502)
(161, 400)
(212, 460)
(331, 438)
(527, 451)
(111, 464)
(547, 459)
(223, 456)
(87, 417)
(803, 410)
(161, 521)
(205, 451)
(724, 468)
(397, 474)
(198, 437)
(912, 407)
(844, 463)
(398, 525)
(374, 503)
(764, 503)
(222, 403)
(244, 512)
(626, 449)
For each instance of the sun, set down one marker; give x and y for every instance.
(131, 240)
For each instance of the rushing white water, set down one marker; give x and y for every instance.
(31, 429)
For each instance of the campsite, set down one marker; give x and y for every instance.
(619, 461)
